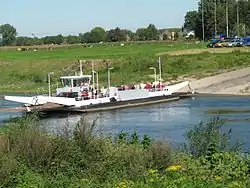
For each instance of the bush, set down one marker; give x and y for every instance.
(206, 135)
(84, 158)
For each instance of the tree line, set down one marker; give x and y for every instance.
(215, 14)
(8, 36)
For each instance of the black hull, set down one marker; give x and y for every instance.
(112, 105)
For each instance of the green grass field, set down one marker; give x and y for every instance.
(26, 71)
(75, 52)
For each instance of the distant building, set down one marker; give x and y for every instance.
(165, 34)
(128, 38)
(190, 34)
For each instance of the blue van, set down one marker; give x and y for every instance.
(246, 41)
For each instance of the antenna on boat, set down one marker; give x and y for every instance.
(159, 63)
(93, 75)
(80, 61)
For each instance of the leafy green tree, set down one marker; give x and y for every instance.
(72, 39)
(116, 35)
(53, 39)
(97, 34)
(141, 34)
(8, 33)
(215, 14)
(190, 20)
(24, 41)
(151, 32)
(85, 38)
(59, 39)
(129, 34)
(208, 19)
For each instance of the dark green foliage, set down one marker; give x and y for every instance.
(193, 19)
(208, 138)
(84, 158)
(59, 160)
(8, 34)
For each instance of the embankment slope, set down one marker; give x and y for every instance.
(232, 83)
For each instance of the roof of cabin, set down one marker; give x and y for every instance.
(75, 77)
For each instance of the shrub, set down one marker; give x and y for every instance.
(84, 158)
(162, 155)
(207, 134)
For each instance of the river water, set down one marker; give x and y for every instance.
(167, 121)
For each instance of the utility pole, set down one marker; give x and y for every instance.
(238, 19)
(202, 14)
(227, 17)
(215, 17)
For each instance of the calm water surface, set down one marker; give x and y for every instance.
(164, 121)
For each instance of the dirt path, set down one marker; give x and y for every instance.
(207, 50)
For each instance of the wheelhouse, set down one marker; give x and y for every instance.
(75, 81)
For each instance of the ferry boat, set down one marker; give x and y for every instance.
(78, 94)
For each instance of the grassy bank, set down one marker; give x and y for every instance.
(27, 71)
(30, 157)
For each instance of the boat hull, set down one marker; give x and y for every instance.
(113, 105)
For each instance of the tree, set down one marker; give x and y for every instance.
(129, 34)
(247, 19)
(209, 18)
(217, 23)
(53, 39)
(151, 32)
(8, 33)
(190, 20)
(141, 34)
(116, 35)
(85, 38)
(59, 39)
(72, 39)
(24, 41)
(97, 34)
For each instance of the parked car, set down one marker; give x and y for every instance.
(212, 43)
(236, 43)
(222, 43)
(246, 41)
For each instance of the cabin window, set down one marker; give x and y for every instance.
(84, 80)
(75, 82)
(66, 82)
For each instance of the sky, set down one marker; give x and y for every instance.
(52, 17)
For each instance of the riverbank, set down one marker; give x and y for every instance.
(31, 157)
(235, 82)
